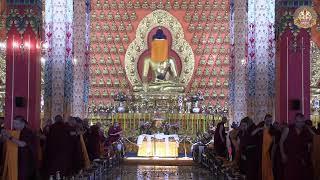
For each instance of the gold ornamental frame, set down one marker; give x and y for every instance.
(179, 45)
(305, 17)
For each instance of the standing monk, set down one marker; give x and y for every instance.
(250, 149)
(77, 156)
(20, 152)
(114, 133)
(1, 144)
(234, 136)
(294, 151)
(59, 148)
(266, 138)
(318, 129)
(95, 140)
(220, 145)
(276, 155)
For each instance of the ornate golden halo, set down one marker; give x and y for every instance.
(305, 17)
(179, 45)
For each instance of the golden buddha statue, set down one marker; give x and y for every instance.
(165, 76)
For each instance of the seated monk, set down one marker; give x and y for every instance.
(20, 152)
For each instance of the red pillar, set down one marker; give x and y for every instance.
(23, 73)
(293, 91)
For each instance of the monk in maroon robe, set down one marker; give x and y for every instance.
(233, 137)
(276, 155)
(1, 144)
(43, 133)
(26, 149)
(95, 139)
(77, 156)
(250, 149)
(60, 148)
(114, 133)
(220, 145)
(294, 151)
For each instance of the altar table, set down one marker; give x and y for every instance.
(158, 145)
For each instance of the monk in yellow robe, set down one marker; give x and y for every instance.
(265, 141)
(20, 152)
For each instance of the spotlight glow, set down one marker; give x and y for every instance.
(243, 61)
(45, 45)
(27, 45)
(15, 44)
(3, 45)
(43, 60)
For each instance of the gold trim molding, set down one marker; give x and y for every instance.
(179, 45)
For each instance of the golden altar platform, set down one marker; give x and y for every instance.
(158, 148)
(156, 161)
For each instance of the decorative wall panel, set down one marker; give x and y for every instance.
(315, 75)
(261, 58)
(293, 67)
(80, 51)
(239, 59)
(58, 66)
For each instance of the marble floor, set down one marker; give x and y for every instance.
(136, 172)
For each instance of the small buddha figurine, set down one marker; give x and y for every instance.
(165, 76)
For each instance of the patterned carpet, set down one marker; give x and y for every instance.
(127, 172)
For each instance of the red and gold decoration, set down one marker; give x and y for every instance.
(305, 17)
(198, 34)
(23, 76)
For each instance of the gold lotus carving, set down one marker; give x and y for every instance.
(179, 45)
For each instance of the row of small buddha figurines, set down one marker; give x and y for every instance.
(214, 94)
(210, 60)
(153, 5)
(203, 83)
(109, 27)
(190, 17)
(214, 38)
(217, 44)
(119, 71)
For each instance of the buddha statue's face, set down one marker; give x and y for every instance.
(159, 50)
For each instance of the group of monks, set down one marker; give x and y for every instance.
(270, 151)
(64, 147)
